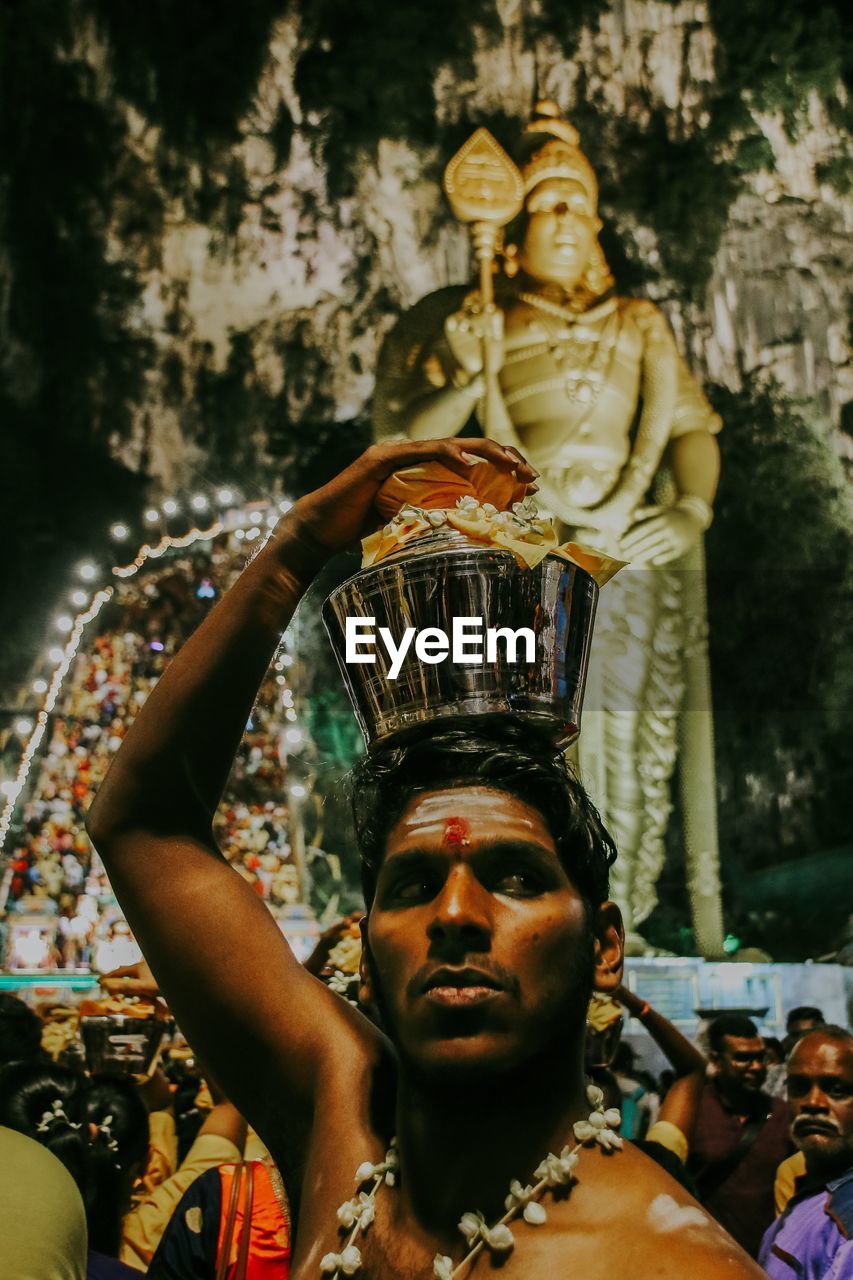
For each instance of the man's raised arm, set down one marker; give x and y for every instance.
(266, 1026)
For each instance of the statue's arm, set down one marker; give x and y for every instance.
(440, 412)
(694, 460)
(429, 376)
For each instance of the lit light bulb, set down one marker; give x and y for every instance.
(152, 515)
(39, 686)
(56, 654)
(87, 571)
(198, 502)
(294, 735)
(285, 505)
(7, 789)
(119, 531)
(170, 506)
(287, 659)
(225, 496)
(252, 533)
(290, 714)
(79, 598)
(64, 623)
(23, 726)
(239, 534)
(298, 791)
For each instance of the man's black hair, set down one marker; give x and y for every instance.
(20, 1031)
(504, 756)
(730, 1024)
(804, 1013)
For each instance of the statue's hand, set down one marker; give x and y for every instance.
(469, 332)
(660, 534)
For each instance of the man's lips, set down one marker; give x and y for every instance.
(461, 988)
(808, 1126)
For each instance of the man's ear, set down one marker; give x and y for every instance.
(609, 955)
(365, 985)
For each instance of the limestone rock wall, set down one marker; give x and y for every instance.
(270, 280)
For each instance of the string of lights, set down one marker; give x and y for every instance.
(246, 523)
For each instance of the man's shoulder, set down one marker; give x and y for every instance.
(672, 1235)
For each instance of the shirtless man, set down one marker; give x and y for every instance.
(482, 941)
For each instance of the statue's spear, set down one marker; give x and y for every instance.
(485, 189)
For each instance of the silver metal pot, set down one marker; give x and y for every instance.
(443, 577)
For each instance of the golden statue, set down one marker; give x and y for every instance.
(590, 386)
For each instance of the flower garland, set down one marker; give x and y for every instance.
(555, 1171)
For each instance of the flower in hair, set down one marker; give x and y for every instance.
(55, 1115)
(442, 1267)
(106, 1129)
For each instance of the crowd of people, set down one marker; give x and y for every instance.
(477, 1089)
(169, 1178)
(54, 870)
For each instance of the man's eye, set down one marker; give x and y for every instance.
(523, 884)
(414, 889)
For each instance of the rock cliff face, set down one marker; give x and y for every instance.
(270, 273)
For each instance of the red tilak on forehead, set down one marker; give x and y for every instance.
(456, 831)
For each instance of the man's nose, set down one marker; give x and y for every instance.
(815, 1100)
(462, 913)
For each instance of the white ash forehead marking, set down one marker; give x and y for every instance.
(666, 1214)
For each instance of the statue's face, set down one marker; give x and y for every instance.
(561, 230)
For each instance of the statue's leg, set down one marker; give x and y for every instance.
(622, 761)
(697, 773)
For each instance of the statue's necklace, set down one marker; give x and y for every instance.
(356, 1215)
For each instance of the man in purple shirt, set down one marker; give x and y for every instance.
(741, 1133)
(813, 1239)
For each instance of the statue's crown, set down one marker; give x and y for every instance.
(556, 151)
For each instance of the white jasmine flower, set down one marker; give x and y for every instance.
(470, 1224)
(594, 1095)
(364, 1171)
(436, 518)
(467, 503)
(490, 509)
(518, 1195)
(368, 1212)
(609, 1140)
(442, 1267)
(613, 1116)
(558, 1171)
(584, 1131)
(535, 1214)
(348, 1262)
(597, 1120)
(348, 1214)
(499, 1237)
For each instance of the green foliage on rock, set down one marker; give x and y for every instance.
(780, 578)
(366, 71)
